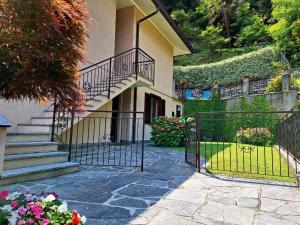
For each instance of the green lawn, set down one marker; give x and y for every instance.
(259, 163)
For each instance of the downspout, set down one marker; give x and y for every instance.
(137, 45)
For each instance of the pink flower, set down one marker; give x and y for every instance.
(21, 222)
(14, 204)
(37, 211)
(3, 194)
(45, 222)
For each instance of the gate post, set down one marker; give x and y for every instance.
(186, 138)
(198, 142)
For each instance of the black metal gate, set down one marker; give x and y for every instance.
(89, 139)
(262, 143)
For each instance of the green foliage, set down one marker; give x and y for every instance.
(285, 31)
(253, 33)
(254, 136)
(168, 131)
(275, 85)
(206, 56)
(213, 39)
(209, 129)
(266, 119)
(257, 64)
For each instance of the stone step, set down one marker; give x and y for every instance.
(27, 127)
(42, 120)
(27, 136)
(29, 147)
(37, 172)
(33, 159)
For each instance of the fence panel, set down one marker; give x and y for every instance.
(102, 138)
(261, 143)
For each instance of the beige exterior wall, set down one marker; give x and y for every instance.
(125, 28)
(20, 112)
(101, 43)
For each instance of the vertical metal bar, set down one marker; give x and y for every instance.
(53, 118)
(187, 131)
(71, 135)
(143, 143)
(109, 78)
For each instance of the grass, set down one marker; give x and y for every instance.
(259, 163)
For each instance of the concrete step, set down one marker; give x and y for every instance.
(29, 147)
(42, 120)
(27, 127)
(33, 159)
(37, 172)
(27, 136)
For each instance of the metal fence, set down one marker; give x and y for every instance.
(262, 143)
(101, 138)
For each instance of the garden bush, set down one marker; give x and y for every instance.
(255, 136)
(42, 209)
(168, 131)
(275, 85)
(257, 64)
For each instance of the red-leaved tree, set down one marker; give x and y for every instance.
(41, 43)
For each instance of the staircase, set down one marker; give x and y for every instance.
(30, 154)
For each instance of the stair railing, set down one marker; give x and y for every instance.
(97, 79)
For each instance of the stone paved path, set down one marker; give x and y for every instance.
(171, 192)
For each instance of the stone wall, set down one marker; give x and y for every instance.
(283, 101)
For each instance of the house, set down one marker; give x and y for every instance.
(128, 68)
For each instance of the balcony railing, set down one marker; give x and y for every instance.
(97, 79)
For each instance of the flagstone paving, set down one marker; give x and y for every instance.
(171, 192)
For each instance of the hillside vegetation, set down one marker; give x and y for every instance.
(256, 64)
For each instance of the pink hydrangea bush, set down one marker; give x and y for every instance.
(256, 136)
(41, 209)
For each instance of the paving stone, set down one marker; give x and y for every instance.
(160, 183)
(291, 208)
(178, 207)
(129, 202)
(270, 205)
(280, 193)
(247, 202)
(167, 218)
(293, 219)
(237, 215)
(270, 219)
(143, 191)
(188, 196)
(212, 211)
(221, 199)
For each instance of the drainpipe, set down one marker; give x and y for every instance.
(137, 45)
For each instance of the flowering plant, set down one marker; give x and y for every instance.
(168, 131)
(255, 136)
(41, 209)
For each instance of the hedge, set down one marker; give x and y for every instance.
(257, 64)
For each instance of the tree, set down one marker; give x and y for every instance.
(285, 31)
(41, 43)
(213, 39)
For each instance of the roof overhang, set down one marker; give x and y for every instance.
(163, 22)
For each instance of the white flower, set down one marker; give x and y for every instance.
(7, 208)
(49, 198)
(83, 219)
(13, 218)
(13, 196)
(63, 208)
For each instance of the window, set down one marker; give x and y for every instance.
(154, 107)
(178, 111)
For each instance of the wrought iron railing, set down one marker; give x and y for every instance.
(104, 138)
(97, 79)
(262, 143)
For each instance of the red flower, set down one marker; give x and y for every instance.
(3, 194)
(14, 204)
(75, 218)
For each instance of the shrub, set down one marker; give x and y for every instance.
(42, 209)
(168, 131)
(255, 136)
(275, 85)
(257, 64)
